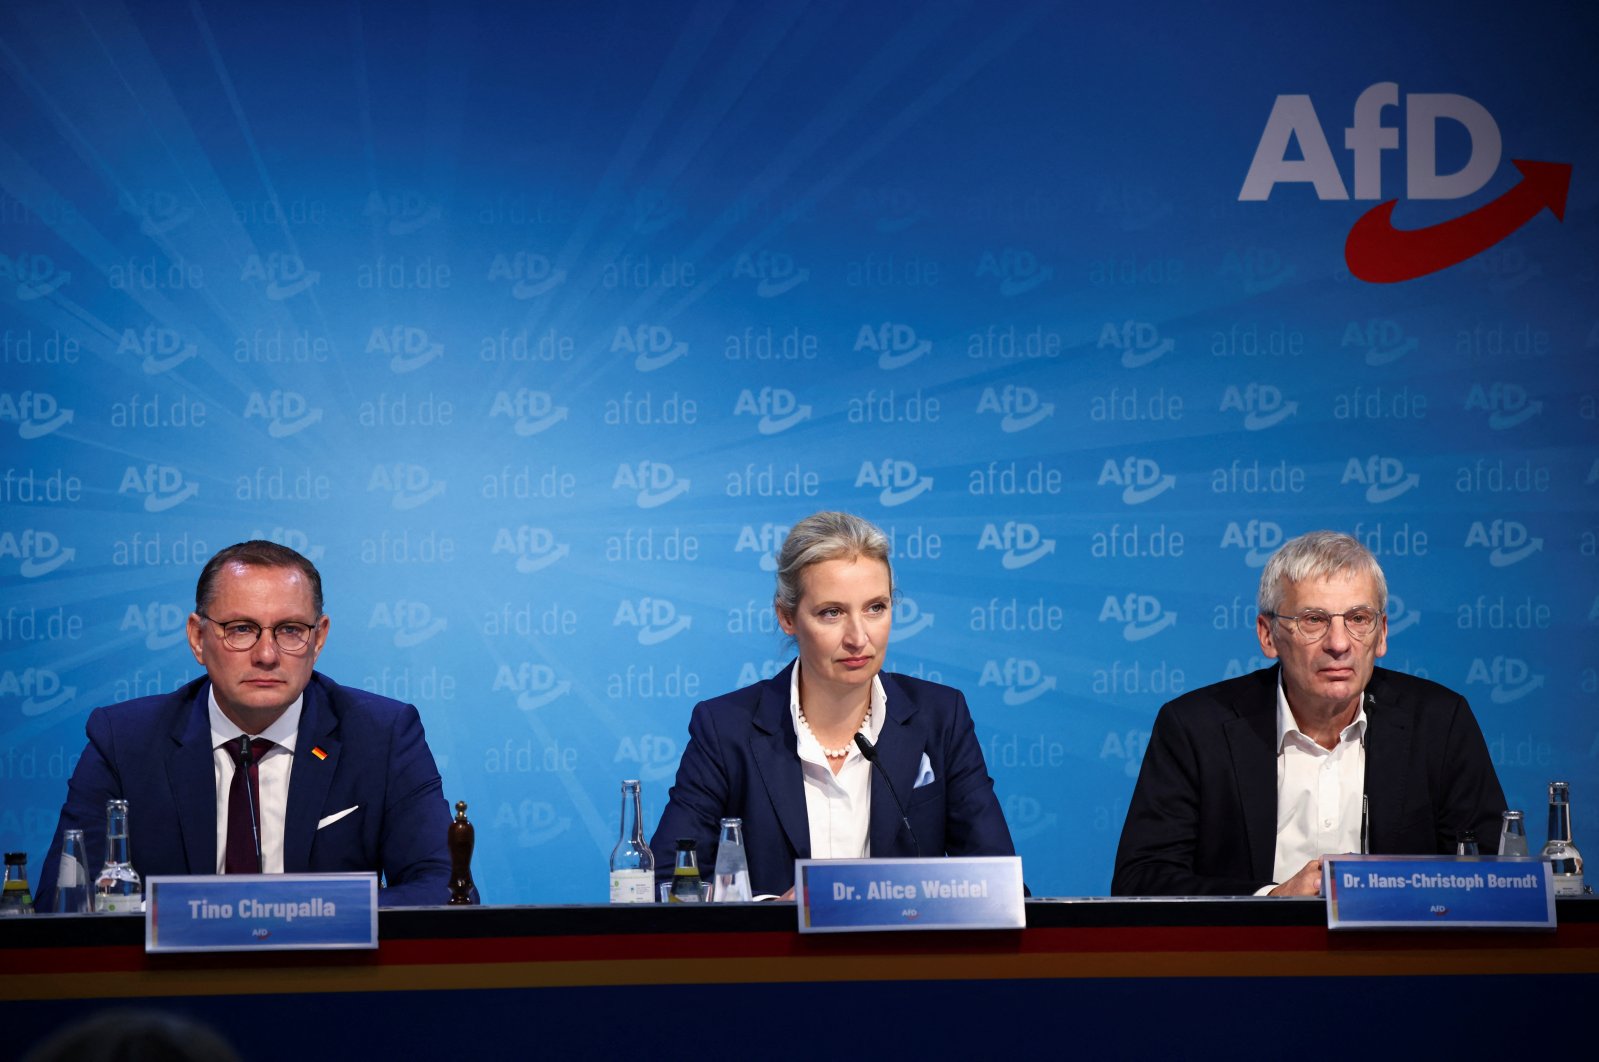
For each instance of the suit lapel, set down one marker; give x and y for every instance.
(191, 772)
(310, 777)
(1252, 739)
(775, 750)
(899, 753)
(1388, 736)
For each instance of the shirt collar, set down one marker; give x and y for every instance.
(1355, 731)
(874, 728)
(282, 732)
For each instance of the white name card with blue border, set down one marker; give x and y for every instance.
(868, 895)
(1438, 892)
(261, 912)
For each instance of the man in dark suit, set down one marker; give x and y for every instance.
(336, 779)
(1248, 783)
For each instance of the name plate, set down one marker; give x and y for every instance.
(261, 912)
(868, 895)
(1438, 892)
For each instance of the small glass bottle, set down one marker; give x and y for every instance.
(117, 890)
(72, 877)
(15, 897)
(686, 873)
(731, 879)
(1466, 843)
(1512, 834)
(1564, 859)
(632, 862)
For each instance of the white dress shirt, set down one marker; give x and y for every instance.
(272, 770)
(838, 806)
(1318, 791)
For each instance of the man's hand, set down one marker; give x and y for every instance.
(1305, 883)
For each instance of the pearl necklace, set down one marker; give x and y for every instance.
(835, 754)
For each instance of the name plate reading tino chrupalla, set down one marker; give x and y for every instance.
(867, 895)
(261, 912)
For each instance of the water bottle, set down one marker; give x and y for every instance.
(1466, 843)
(15, 897)
(117, 890)
(1512, 834)
(731, 879)
(1564, 859)
(686, 873)
(72, 877)
(632, 862)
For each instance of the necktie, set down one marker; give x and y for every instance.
(244, 806)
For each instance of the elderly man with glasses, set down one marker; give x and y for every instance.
(264, 765)
(1248, 783)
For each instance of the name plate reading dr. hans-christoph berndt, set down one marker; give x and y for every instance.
(1438, 892)
(261, 912)
(861, 895)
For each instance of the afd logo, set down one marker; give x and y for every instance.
(1021, 680)
(1247, 665)
(531, 411)
(653, 211)
(534, 548)
(909, 620)
(765, 539)
(1383, 340)
(1508, 678)
(1016, 270)
(1258, 538)
(1509, 541)
(294, 538)
(1128, 748)
(1140, 342)
(774, 272)
(895, 344)
(411, 622)
(1025, 816)
(1262, 405)
(36, 552)
(652, 346)
(656, 618)
(159, 350)
(286, 412)
(1140, 478)
(535, 685)
(653, 483)
(896, 482)
(776, 407)
(1506, 404)
(40, 688)
(1140, 615)
(1019, 408)
(655, 754)
(753, 671)
(162, 486)
(285, 275)
(1021, 543)
(163, 624)
(532, 822)
(1384, 478)
(530, 275)
(36, 275)
(408, 347)
(408, 486)
(158, 212)
(401, 213)
(35, 413)
(1400, 618)
(1375, 250)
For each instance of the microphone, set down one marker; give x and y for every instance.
(869, 750)
(246, 758)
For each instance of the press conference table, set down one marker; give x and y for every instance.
(1093, 978)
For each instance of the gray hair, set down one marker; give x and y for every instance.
(823, 537)
(1317, 555)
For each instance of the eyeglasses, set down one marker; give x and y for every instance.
(1312, 625)
(291, 637)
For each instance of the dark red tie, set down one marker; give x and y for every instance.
(244, 806)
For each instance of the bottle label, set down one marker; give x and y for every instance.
(632, 886)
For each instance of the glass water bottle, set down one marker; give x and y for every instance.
(1512, 834)
(686, 873)
(1564, 859)
(15, 897)
(632, 862)
(117, 890)
(72, 876)
(731, 880)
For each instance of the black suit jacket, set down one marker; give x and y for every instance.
(1203, 817)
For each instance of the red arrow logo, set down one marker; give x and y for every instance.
(1378, 253)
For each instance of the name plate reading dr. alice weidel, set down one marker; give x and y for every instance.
(261, 912)
(861, 895)
(1438, 892)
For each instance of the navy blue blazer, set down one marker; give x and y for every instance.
(1203, 816)
(742, 760)
(155, 753)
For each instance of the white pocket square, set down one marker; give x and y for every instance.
(337, 815)
(924, 773)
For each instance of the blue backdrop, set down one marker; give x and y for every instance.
(535, 326)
